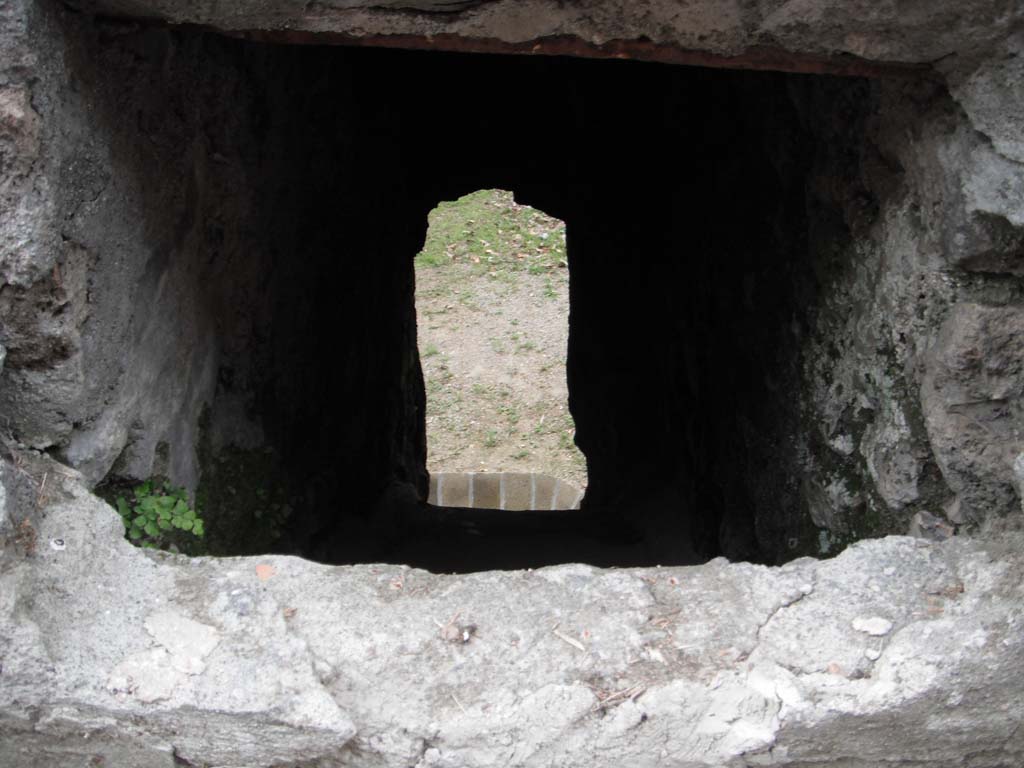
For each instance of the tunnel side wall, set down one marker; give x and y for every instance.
(186, 277)
(807, 315)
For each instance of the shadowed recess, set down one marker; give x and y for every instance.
(289, 235)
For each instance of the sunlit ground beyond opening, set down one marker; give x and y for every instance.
(492, 306)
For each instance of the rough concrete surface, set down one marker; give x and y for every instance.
(972, 397)
(899, 651)
(915, 32)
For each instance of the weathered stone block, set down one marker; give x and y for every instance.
(502, 490)
(972, 399)
(897, 650)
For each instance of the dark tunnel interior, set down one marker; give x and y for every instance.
(694, 236)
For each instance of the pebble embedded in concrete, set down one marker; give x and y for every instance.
(875, 626)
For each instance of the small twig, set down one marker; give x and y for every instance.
(42, 490)
(571, 641)
(625, 693)
(665, 620)
(456, 700)
(632, 693)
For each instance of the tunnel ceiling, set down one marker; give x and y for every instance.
(852, 37)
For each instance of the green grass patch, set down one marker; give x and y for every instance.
(490, 231)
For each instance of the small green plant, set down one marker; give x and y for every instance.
(155, 512)
(510, 412)
(565, 440)
(549, 290)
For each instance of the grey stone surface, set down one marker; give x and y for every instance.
(898, 650)
(946, 213)
(5, 519)
(989, 91)
(25, 204)
(134, 270)
(918, 32)
(972, 398)
(65, 320)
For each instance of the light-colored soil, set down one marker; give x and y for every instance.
(492, 307)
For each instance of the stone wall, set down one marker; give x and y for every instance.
(793, 296)
(796, 322)
(179, 214)
(923, 263)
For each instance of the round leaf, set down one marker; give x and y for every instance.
(135, 533)
(186, 525)
(152, 530)
(165, 525)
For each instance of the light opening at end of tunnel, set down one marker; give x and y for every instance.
(492, 304)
